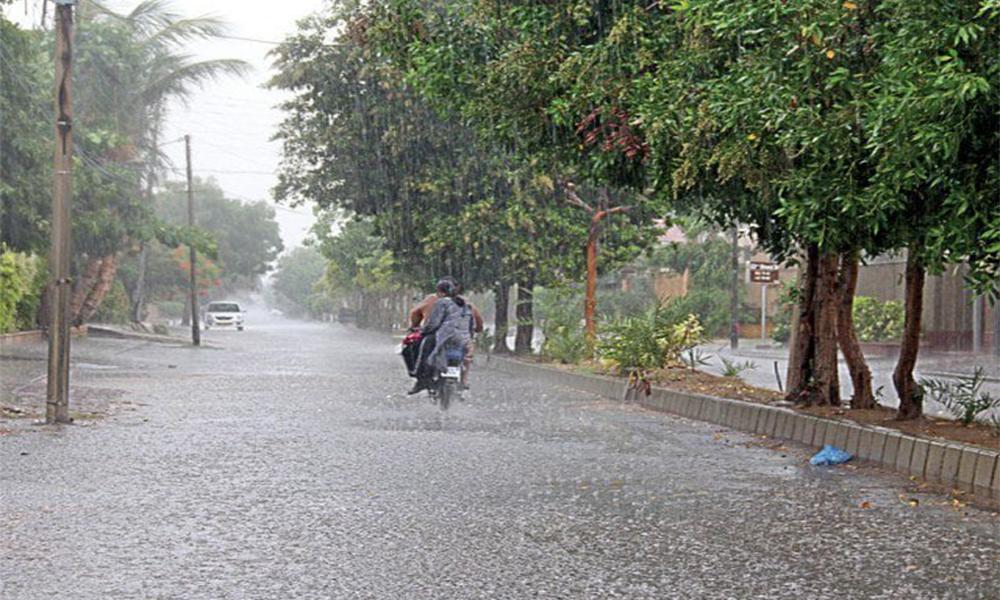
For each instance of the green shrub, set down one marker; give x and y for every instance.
(19, 293)
(635, 346)
(878, 321)
(962, 397)
(561, 312)
(711, 306)
(733, 368)
(27, 307)
(114, 307)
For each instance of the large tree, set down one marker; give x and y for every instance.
(25, 156)
(129, 66)
(364, 136)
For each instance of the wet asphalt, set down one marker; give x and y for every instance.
(291, 464)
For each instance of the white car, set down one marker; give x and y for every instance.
(225, 314)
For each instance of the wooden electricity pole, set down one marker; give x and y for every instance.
(59, 289)
(193, 286)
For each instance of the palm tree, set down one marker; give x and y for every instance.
(139, 65)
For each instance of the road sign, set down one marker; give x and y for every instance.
(763, 272)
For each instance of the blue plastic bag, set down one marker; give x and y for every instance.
(830, 455)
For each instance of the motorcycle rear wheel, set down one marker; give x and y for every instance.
(448, 389)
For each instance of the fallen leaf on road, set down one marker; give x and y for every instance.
(913, 502)
(866, 504)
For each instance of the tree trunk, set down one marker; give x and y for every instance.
(84, 285)
(186, 315)
(501, 303)
(847, 337)
(105, 277)
(590, 297)
(825, 371)
(802, 349)
(139, 293)
(911, 397)
(525, 321)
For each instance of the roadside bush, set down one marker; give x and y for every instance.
(962, 397)
(878, 321)
(634, 346)
(711, 306)
(561, 312)
(18, 293)
(29, 304)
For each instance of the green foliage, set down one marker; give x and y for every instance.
(781, 322)
(243, 236)
(25, 152)
(17, 279)
(708, 260)
(877, 321)
(28, 305)
(640, 344)
(962, 397)
(373, 131)
(734, 368)
(561, 314)
(296, 279)
(22, 284)
(114, 307)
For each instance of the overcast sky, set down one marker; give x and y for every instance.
(231, 120)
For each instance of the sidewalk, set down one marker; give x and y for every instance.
(929, 365)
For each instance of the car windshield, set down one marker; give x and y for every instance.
(223, 307)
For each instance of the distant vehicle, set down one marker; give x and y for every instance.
(276, 313)
(224, 314)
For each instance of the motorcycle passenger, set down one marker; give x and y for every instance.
(420, 314)
(451, 324)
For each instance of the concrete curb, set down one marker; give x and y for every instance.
(966, 467)
(35, 335)
(110, 332)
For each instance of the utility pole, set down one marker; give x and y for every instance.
(734, 300)
(996, 330)
(977, 323)
(57, 388)
(195, 327)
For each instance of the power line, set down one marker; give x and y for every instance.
(225, 171)
(249, 39)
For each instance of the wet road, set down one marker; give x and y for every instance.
(291, 465)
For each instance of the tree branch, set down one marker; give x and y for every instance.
(574, 199)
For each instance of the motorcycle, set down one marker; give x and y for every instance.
(447, 385)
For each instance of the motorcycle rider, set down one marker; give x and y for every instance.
(432, 348)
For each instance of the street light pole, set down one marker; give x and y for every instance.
(193, 284)
(59, 288)
(734, 300)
